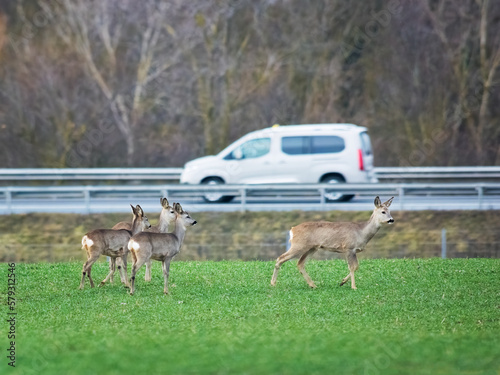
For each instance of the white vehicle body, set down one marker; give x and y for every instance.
(290, 154)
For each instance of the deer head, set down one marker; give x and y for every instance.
(168, 213)
(381, 214)
(183, 216)
(139, 215)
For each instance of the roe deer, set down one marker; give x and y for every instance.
(112, 243)
(159, 246)
(349, 238)
(167, 217)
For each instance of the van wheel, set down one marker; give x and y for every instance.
(331, 195)
(215, 197)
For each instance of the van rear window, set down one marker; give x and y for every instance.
(366, 144)
(317, 144)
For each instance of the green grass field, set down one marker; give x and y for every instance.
(407, 317)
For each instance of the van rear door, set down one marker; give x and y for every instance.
(366, 156)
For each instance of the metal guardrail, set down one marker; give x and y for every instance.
(56, 174)
(404, 173)
(84, 195)
(95, 174)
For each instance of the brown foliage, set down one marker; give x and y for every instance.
(116, 83)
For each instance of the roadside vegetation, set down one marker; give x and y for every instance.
(258, 235)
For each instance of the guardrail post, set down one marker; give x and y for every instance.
(243, 193)
(401, 191)
(86, 199)
(443, 243)
(8, 201)
(480, 193)
(322, 192)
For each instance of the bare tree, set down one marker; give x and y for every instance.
(126, 48)
(475, 75)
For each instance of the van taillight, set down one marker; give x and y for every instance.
(360, 159)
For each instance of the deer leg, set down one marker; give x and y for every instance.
(344, 280)
(166, 269)
(282, 259)
(352, 262)
(82, 282)
(124, 270)
(138, 262)
(148, 270)
(119, 265)
(112, 268)
(87, 267)
(302, 270)
(90, 277)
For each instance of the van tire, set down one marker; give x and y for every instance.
(335, 179)
(215, 198)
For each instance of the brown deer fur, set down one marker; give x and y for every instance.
(349, 238)
(167, 217)
(159, 246)
(112, 243)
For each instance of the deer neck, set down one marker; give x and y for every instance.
(179, 231)
(370, 229)
(136, 226)
(163, 224)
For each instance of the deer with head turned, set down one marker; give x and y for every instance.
(349, 238)
(167, 217)
(112, 243)
(159, 246)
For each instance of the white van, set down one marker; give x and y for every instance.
(319, 153)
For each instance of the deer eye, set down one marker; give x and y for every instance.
(383, 212)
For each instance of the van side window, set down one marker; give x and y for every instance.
(251, 149)
(312, 145)
(366, 144)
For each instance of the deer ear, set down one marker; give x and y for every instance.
(377, 202)
(388, 203)
(178, 207)
(164, 202)
(133, 209)
(139, 211)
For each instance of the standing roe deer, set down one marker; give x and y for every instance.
(112, 243)
(349, 238)
(159, 246)
(167, 217)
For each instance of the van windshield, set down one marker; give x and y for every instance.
(251, 149)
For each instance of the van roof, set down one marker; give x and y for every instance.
(312, 127)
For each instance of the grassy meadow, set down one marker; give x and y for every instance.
(414, 316)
